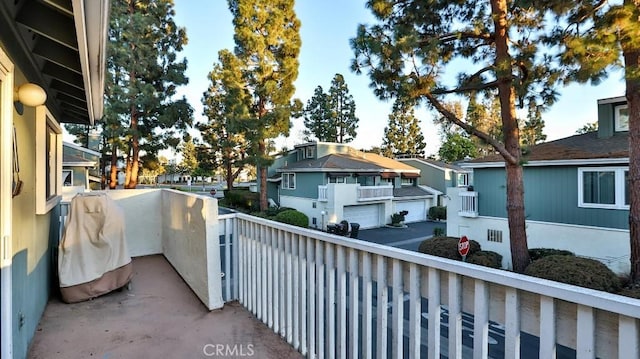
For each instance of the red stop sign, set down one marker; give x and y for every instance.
(463, 246)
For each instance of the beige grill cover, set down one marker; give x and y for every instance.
(93, 242)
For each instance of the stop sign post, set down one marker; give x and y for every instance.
(463, 247)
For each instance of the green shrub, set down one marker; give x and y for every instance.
(438, 232)
(569, 269)
(293, 217)
(485, 258)
(437, 213)
(242, 199)
(397, 218)
(537, 253)
(446, 247)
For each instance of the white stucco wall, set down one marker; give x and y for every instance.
(183, 227)
(143, 223)
(191, 243)
(608, 245)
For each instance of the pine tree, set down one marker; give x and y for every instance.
(411, 45)
(484, 115)
(267, 38)
(343, 110)
(403, 134)
(189, 156)
(457, 147)
(317, 118)
(224, 103)
(534, 125)
(141, 113)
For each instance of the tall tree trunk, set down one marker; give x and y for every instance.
(228, 169)
(114, 167)
(632, 64)
(135, 161)
(515, 188)
(264, 205)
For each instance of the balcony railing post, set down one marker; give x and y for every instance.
(354, 339)
(397, 327)
(311, 312)
(367, 303)
(381, 304)
(434, 313)
(320, 302)
(455, 316)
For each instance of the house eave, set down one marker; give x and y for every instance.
(571, 162)
(80, 148)
(91, 18)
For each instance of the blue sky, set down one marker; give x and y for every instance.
(327, 26)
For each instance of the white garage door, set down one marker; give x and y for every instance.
(367, 216)
(417, 210)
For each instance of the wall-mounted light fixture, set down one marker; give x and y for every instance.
(28, 94)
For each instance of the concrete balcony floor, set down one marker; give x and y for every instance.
(159, 317)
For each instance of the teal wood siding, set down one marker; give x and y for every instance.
(550, 194)
(272, 191)
(430, 176)
(79, 177)
(280, 162)
(31, 289)
(306, 185)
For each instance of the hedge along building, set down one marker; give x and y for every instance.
(576, 195)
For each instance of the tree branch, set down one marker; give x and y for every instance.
(463, 89)
(460, 35)
(450, 116)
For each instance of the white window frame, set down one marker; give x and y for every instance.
(618, 183)
(309, 152)
(288, 181)
(463, 179)
(71, 176)
(48, 161)
(337, 179)
(617, 115)
(407, 181)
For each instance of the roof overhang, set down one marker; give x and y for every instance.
(574, 162)
(60, 45)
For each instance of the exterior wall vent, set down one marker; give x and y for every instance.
(494, 235)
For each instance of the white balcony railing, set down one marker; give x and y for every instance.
(331, 297)
(468, 204)
(371, 193)
(322, 193)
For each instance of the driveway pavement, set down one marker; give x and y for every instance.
(405, 238)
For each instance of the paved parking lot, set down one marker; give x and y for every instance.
(405, 238)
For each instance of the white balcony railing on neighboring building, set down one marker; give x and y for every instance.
(468, 204)
(322, 193)
(371, 193)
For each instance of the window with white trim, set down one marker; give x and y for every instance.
(603, 187)
(48, 161)
(67, 178)
(309, 152)
(408, 181)
(621, 118)
(288, 181)
(333, 179)
(463, 179)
